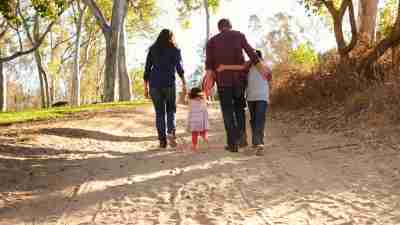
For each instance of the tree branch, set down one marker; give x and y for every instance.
(105, 27)
(34, 47)
(331, 8)
(354, 31)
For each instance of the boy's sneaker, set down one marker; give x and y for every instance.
(172, 140)
(259, 149)
(259, 152)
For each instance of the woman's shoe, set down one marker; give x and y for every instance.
(163, 144)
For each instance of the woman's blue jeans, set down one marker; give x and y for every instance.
(164, 101)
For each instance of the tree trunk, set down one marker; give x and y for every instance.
(396, 60)
(125, 88)
(337, 16)
(3, 89)
(76, 77)
(112, 37)
(110, 72)
(367, 15)
(207, 10)
(391, 41)
(47, 86)
(44, 81)
(43, 96)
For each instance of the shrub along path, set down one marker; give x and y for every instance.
(106, 169)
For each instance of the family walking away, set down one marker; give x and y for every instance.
(240, 84)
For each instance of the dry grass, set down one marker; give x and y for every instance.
(327, 88)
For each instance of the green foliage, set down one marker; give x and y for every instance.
(6, 8)
(44, 8)
(140, 15)
(186, 7)
(387, 17)
(304, 55)
(49, 8)
(54, 113)
(316, 6)
(137, 82)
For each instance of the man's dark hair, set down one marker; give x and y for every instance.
(224, 23)
(259, 53)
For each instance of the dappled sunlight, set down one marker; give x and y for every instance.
(176, 171)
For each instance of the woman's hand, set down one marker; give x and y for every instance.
(146, 93)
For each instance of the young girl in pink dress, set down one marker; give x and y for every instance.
(197, 116)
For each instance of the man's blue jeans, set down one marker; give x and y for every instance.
(258, 111)
(233, 103)
(164, 101)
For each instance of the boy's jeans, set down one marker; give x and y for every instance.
(164, 101)
(258, 111)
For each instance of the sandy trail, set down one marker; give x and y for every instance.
(107, 170)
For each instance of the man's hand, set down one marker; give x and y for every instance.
(184, 89)
(208, 82)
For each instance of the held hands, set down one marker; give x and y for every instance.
(184, 89)
(146, 93)
(146, 90)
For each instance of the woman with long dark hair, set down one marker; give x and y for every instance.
(163, 61)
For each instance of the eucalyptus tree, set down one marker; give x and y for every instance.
(112, 27)
(18, 16)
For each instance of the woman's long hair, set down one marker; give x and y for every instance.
(164, 41)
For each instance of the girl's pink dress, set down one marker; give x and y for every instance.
(198, 115)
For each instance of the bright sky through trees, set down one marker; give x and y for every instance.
(191, 40)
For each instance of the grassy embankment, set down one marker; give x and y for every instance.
(8, 118)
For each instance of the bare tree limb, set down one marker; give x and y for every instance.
(105, 27)
(354, 31)
(32, 49)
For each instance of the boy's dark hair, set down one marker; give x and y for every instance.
(259, 54)
(224, 23)
(196, 93)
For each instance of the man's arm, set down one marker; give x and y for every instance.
(210, 61)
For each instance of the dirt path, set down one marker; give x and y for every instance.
(107, 170)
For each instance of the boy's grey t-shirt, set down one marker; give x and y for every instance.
(257, 87)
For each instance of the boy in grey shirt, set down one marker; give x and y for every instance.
(257, 100)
